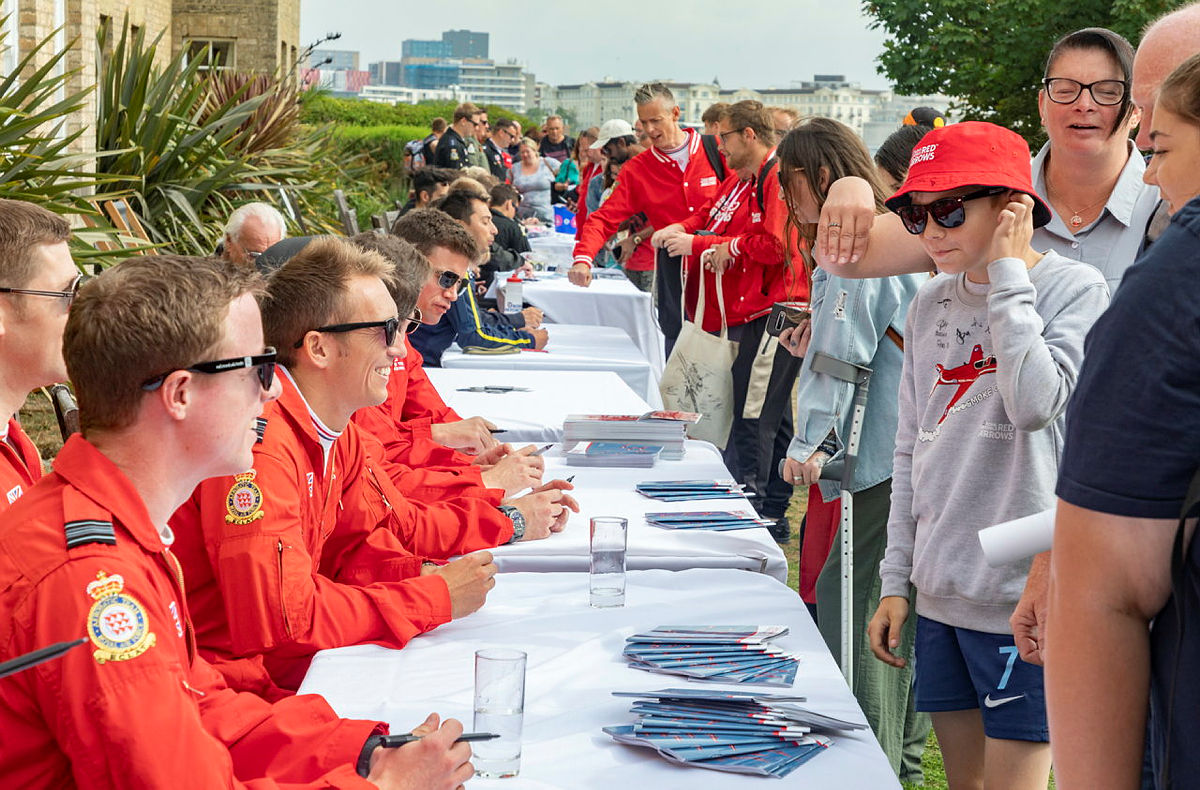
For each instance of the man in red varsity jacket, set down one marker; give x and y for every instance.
(668, 182)
(741, 234)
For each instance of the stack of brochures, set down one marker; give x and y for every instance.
(735, 731)
(665, 428)
(715, 653)
(689, 490)
(627, 454)
(711, 520)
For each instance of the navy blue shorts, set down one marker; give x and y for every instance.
(961, 669)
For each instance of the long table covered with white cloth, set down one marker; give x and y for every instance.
(574, 666)
(611, 492)
(571, 348)
(536, 415)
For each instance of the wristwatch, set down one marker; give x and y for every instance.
(518, 520)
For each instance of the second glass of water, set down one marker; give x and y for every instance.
(606, 580)
(499, 708)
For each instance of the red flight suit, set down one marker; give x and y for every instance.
(293, 560)
(20, 465)
(134, 707)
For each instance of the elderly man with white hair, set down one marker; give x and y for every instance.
(251, 229)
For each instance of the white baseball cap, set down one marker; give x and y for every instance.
(617, 127)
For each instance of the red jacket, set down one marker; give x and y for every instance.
(592, 170)
(760, 274)
(134, 707)
(20, 465)
(292, 559)
(652, 183)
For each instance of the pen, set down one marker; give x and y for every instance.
(542, 449)
(391, 741)
(497, 430)
(571, 479)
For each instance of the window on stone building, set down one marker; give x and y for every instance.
(8, 37)
(215, 53)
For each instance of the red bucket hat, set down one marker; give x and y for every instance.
(971, 153)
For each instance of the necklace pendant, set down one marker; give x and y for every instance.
(1076, 221)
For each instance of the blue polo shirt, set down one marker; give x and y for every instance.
(1133, 446)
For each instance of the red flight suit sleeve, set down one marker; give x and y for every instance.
(422, 398)
(276, 600)
(151, 720)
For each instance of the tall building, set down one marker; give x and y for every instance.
(338, 59)
(459, 62)
(466, 44)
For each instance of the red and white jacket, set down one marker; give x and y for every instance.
(760, 274)
(652, 183)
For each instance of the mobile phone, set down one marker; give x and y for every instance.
(785, 314)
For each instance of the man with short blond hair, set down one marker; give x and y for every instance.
(300, 554)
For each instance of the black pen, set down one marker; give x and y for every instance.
(571, 478)
(497, 430)
(391, 741)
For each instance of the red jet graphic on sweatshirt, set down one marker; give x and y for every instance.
(963, 376)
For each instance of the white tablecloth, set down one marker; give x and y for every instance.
(606, 302)
(537, 415)
(573, 347)
(574, 665)
(610, 492)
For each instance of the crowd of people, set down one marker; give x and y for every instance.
(264, 469)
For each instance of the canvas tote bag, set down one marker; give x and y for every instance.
(699, 375)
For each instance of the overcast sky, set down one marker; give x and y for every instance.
(768, 43)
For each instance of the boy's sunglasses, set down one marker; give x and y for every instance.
(947, 212)
(391, 328)
(263, 363)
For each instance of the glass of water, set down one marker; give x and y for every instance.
(499, 708)
(606, 578)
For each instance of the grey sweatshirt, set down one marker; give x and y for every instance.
(982, 396)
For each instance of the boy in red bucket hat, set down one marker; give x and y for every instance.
(992, 349)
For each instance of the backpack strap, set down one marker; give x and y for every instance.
(764, 173)
(714, 155)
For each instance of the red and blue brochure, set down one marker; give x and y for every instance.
(738, 732)
(689, 490)
(712, 520)
(625, 454)
(714, 653)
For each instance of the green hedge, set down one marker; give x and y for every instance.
(319, 107)
(383, 143)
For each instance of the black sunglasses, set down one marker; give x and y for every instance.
(414, 321)
(391, 328)
(947, 212)
(69, 294)
(264, 364)
(450, 279)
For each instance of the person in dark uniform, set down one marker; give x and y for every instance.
(452, 149)
(495, 149)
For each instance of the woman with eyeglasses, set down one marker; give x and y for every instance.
(1089, 171)
(860, 322)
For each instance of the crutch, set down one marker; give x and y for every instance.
(860, 377)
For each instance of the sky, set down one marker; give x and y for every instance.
(768, 43)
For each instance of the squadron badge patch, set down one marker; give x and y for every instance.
(117, 622)
(244, 502)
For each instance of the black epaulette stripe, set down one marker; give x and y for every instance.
(260, 427)
(81, 533)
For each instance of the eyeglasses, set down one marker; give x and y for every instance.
(725, 135)
(1062, 90)
(451, 279)
(414, 321)
(947, 212)
(391, 328)
(69, 294)
(264, 364)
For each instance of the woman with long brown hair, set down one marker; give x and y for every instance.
(861, 322)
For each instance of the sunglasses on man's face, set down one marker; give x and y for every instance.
(947, 212)
(391, 328)
(451, 279)
(263, 363)
(69, 294)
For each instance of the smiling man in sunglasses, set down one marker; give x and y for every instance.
(992, 352)
(168, 360)
(38, 281)
(299, 554)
